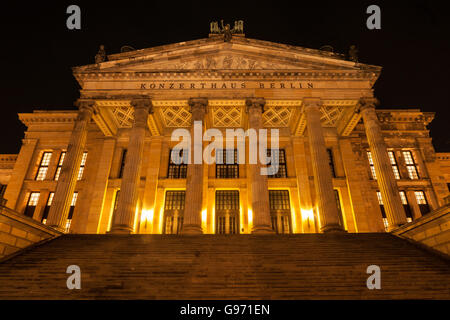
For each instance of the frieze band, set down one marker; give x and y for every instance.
(225, 85)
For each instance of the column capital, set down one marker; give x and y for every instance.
(142, 103)
(312, 103)
(197, 103)
(367, 102)
(255, 103)
(85, 104)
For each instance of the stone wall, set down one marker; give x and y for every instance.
(431, 230)
(18, 231)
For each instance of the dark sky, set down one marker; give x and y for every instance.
(38, 50)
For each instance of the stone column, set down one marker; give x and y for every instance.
(192, 223)
(329, 214)
(259, 187)
(385, 176)
(69, 172)
(129, 189)
(20, 172)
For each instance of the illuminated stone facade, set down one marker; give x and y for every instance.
(334, 141)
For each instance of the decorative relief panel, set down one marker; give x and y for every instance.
(330, 115)
(175, 116)
(227, 116)
(224, 62)
(124, 116)
(277, 116)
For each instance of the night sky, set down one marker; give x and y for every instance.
(38, 51)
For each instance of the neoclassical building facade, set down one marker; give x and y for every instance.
(345, 164)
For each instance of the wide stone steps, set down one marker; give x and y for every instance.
(307, 266)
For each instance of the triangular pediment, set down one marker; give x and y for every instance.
(215, 54)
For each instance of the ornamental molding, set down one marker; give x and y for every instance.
(44, 117)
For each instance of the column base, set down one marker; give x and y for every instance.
(392, 228)
(332, 228)
(57, 228)
(191, 229)
(118, 229)
(263, 229)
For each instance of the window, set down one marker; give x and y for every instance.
(410, 165)
(82, 165)
(448, 186)
(226, 163)
(116, 200)
(372, 167)
(383, 212)
(394, 164)
(2, 190)
(280, 210)
(174, 209)
(227, 200)
(31, 204)
(43, 166)
(422, 202)
(227, 211)
(338, 203)
(60, 163)
(175, 200)
(406, 206)
(177, 171)
(47, 207)
(71, 210)
(331, 162)
(282, 171)
(122, 163)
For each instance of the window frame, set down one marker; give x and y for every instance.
(177, 171)
(282, 170)
(413, 174)
(62, 156)
(43, 165)
(231, 170)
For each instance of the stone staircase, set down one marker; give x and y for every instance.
(306, 266)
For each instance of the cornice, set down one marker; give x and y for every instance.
(285, 75)
(48, 117)
(411, 115)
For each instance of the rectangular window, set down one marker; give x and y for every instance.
(279, 200)
(175, 200)
(43, 166)
(282, 170)
(60, 163)
(331, 162)
(422, 202)
(82, 165)
(174, 209)
(122, 163)
(31, 204)
(177, 170)
(280, 211)
(227, 200)
(338, 203)
(226, 164)
(372, 167)
(2, 190)
(227, 211)
(406, 206)
(410, 165)
(71, 210)
(383, 212)
(394, 164)
(47, 207)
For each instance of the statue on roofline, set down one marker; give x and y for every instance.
(353, 54)
(101, 55)
(226, 29)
